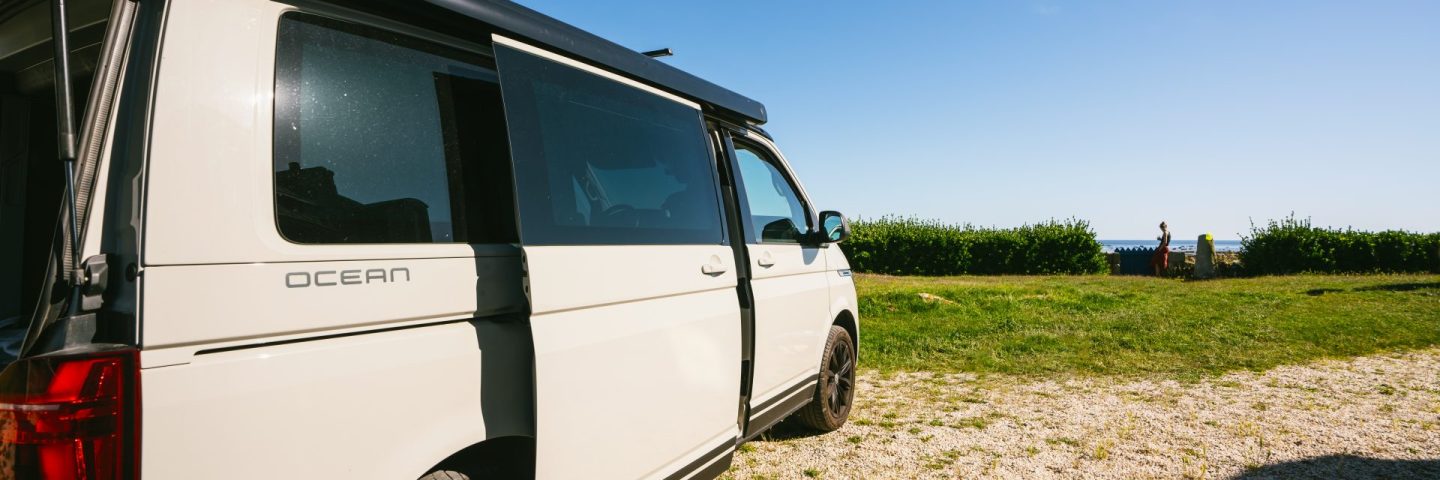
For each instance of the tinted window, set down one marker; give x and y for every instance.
(381, 138)
(600, 162)
(776, 213)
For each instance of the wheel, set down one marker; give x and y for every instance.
(445, 475)
(836, 390)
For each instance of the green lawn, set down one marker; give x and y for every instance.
(1111, 325)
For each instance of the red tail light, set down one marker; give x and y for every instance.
(70, 417)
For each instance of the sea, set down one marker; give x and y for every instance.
(1176, 244)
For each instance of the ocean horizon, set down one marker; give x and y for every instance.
(1175, 244)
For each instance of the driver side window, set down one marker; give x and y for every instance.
(776, 213)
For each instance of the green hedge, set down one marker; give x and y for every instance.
(909, 246)
(1294, 246)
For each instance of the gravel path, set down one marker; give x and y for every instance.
(1369, 417)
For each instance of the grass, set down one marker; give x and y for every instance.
(1111, 325)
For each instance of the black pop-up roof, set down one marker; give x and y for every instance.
(534, 27)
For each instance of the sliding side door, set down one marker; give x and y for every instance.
(635, 318)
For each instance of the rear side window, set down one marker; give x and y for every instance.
(598, 162)
(383, 138)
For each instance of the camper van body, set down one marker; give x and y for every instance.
(384, 240)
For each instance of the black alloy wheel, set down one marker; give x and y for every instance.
(835, 391)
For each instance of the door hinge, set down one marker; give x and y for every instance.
(94, 275)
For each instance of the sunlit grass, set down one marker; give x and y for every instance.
(1110, 325)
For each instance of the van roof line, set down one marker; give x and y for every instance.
(536, 27)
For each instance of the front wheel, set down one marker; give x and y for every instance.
(835, 391)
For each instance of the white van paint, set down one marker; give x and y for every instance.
(616, 361)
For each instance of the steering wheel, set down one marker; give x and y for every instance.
(616, 210)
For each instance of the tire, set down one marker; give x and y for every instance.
(835, 392)
(445, 475)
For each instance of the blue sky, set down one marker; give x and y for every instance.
(1204, 114)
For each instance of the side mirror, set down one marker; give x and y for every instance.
(834, 228)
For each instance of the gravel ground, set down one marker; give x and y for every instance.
(1369, 417)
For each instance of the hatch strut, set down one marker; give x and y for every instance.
(65, 136)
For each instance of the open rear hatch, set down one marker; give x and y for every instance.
(69, 401)
(34, 241)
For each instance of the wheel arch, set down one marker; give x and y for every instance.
(846, 320)
(500, 457)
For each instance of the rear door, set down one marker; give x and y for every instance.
(635, 319)
(788, 280)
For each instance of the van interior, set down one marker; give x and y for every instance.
(32, 178)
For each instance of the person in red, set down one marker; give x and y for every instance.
(1161, 261)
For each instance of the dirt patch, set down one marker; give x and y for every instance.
(1369, 417)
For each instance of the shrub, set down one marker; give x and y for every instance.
(909, 246)
(1293, 245)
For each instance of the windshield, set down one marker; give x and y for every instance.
(32, 179)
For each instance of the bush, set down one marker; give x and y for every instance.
(1292, 245)
(909, 246)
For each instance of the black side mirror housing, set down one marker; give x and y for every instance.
(834, 228)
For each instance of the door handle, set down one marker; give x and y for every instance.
(712, 269)
(765, 260)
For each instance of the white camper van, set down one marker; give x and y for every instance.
(443, 239)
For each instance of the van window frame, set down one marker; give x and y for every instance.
(768, 155)
(325, 15)
(616, 237)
